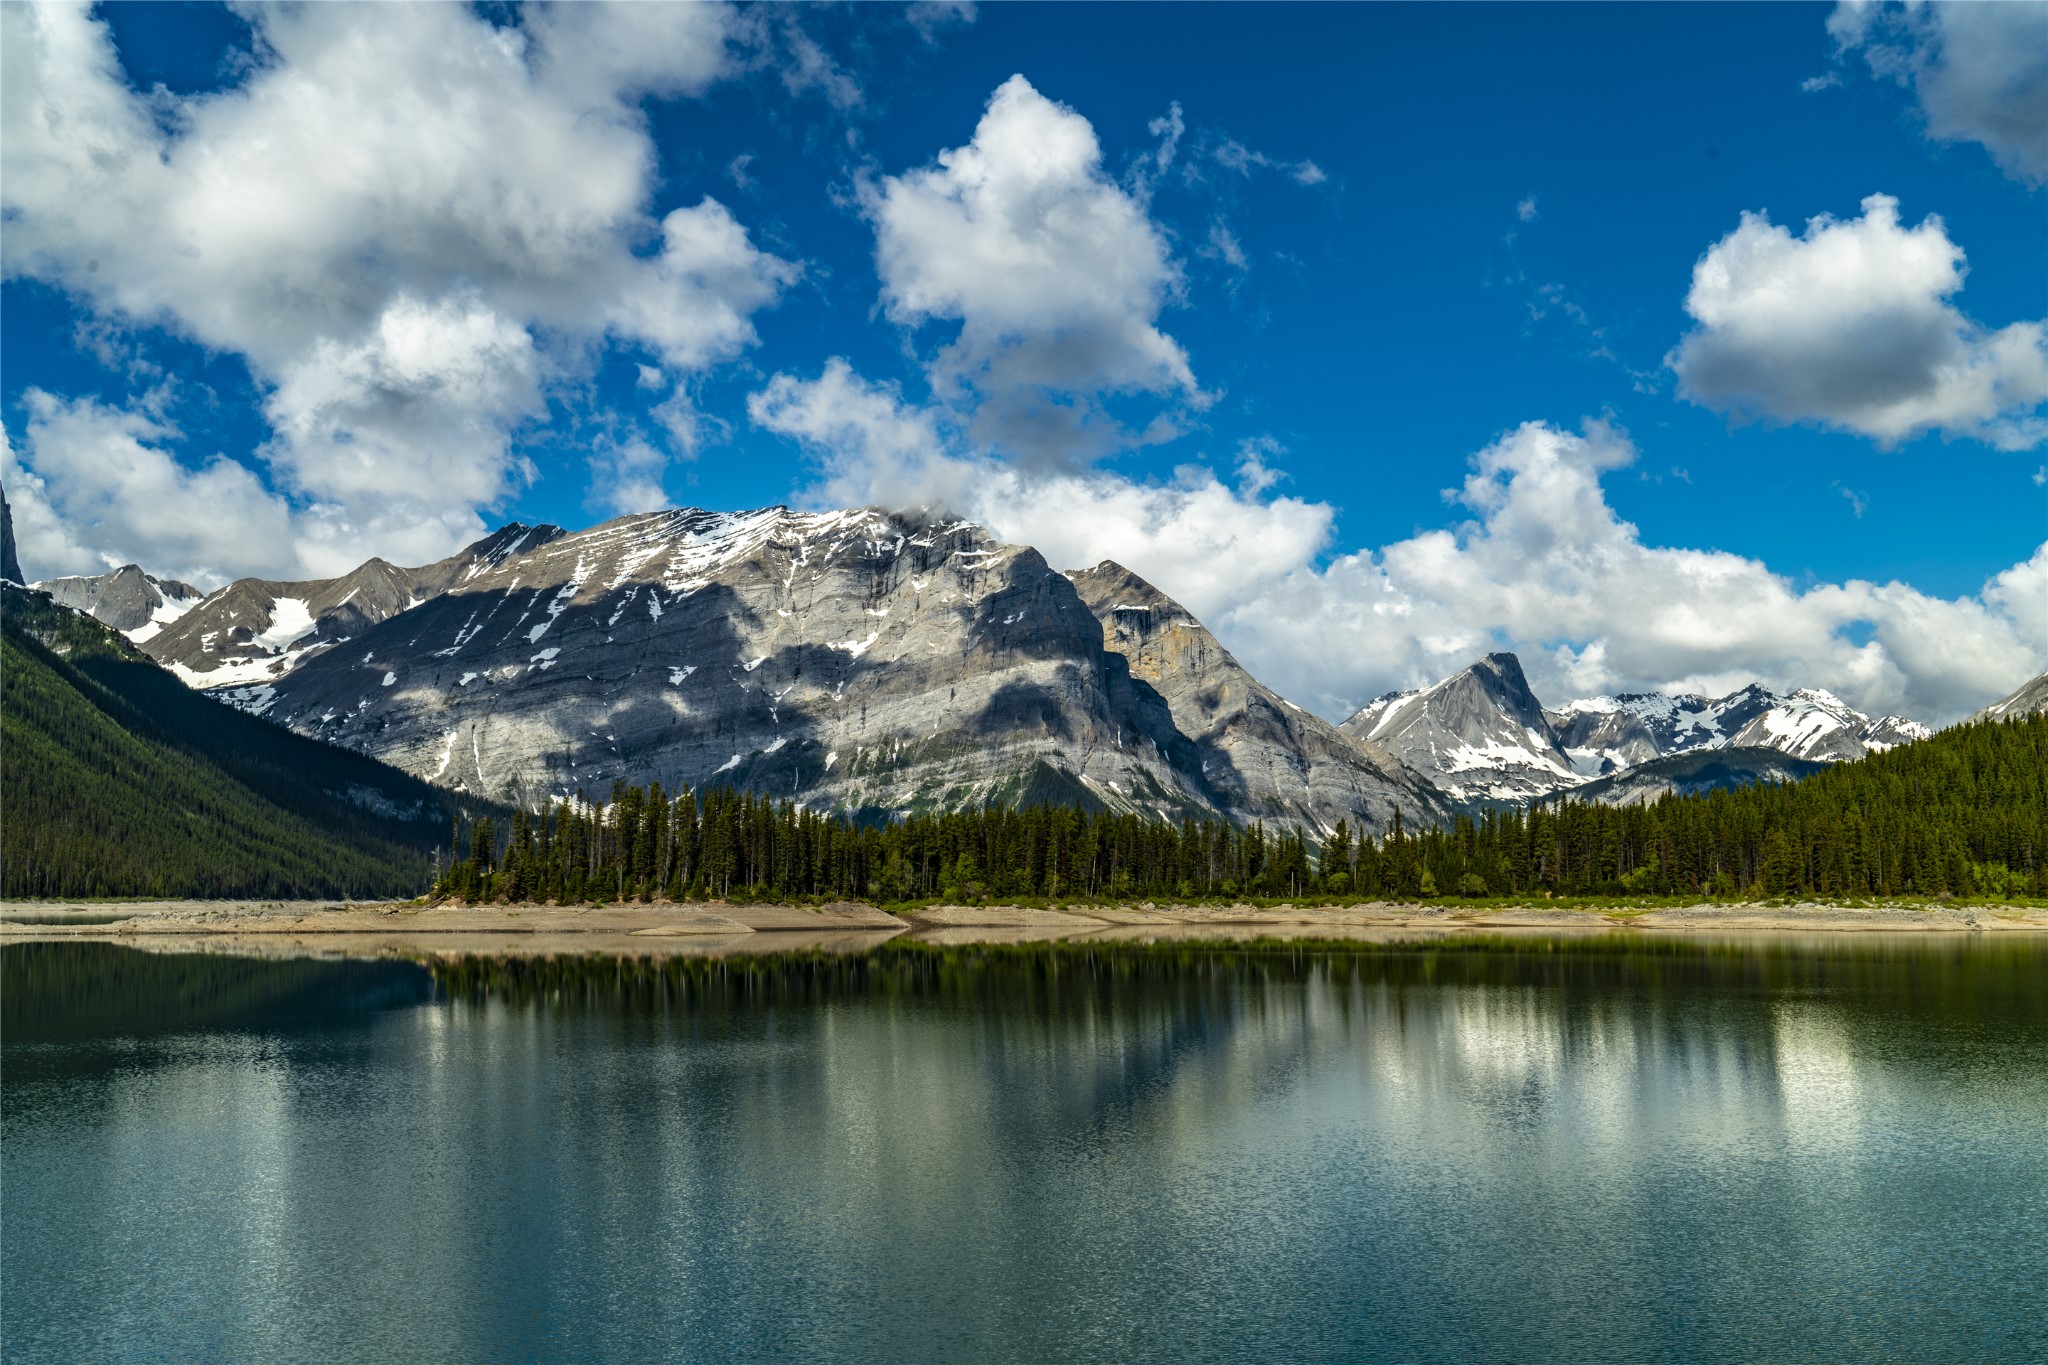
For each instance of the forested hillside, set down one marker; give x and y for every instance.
(1963, 812)
(117, 780)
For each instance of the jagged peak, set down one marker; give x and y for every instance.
(1104, 569)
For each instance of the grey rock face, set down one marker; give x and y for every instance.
(854, 661)
(1261, 756)
(1690, 773)
(1606, 734)
(257, 629)
(1636, 728)
(10, 564)
(137, 604)
(2029, 699)
(1480, 734)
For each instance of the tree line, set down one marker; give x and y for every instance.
(1964, 812)
(118, 780)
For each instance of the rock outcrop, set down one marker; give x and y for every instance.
(1261, 755)
(856, 661)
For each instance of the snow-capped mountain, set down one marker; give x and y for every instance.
(1480, 734)
(2028, 699)
(860, 661)
(255, 630)
(867, 661)
(1607, 734)
(137, 604)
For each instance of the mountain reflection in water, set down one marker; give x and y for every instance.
(1528, 1149)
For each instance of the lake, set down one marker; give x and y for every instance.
(1621, 1149)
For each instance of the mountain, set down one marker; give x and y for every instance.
(256, 629)
(877, 663)
(2030, 699)
(10, 563)
(137, 604)
(1482, 737)
(860, 661)
(121, 781)
(1689, 774)
(1606, 734)
(856, 661)
(1261, 755)
(1480, 734)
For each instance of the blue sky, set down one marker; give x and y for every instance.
(283, 291)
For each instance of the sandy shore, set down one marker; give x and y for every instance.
(293, 927)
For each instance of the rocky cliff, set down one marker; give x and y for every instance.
(1261, 755)
(855, 661)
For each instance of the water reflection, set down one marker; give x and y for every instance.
(1512, 1149)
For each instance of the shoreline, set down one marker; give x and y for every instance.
(718, 928)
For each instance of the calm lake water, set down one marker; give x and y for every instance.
(1555, 1151)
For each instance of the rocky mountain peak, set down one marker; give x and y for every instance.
(137, 604)
(1480, 734)
(10, 564)
(1260, 753)
(2025, 700)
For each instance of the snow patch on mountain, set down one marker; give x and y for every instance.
(1607, 734)
(1480, 734)
(291, 620)
(165, 612)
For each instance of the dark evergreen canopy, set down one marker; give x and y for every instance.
(1964, 812)
(118, 780)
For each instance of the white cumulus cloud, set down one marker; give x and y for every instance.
(1193, 531)
(408, 222)
(1545, 567)
(105, 492)
(1851, 325)
(1541, 564)
(1980, 70)
(1055, 274)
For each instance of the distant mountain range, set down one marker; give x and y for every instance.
(1483, 737)
(861, 661)
(1603, 734)
(878, 663)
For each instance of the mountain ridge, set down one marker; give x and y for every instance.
(992, 686)
(1480, 734)
(2027, 699)
(120, 780)
(1271, 757)
(864, 661)
(254, 628)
